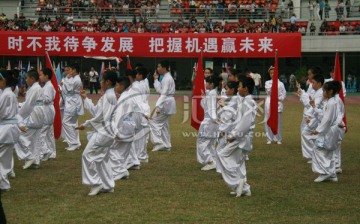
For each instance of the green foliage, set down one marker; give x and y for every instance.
(300, 73)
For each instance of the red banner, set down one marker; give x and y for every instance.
(243, 45)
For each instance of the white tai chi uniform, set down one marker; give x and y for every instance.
(32, 117)
(327, 140)
(144, 132)
(73, 108)
(9, 134)
(160, 123)
(124, 125)
(96, 168)
(281, 96)
(47, 140)
(231, 159)
(62, 107)
(208, 131)
(341, 110)
(307, 139)
(141, 109)
(227, 117)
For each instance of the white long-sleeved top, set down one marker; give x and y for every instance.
(48, 96)
(146, 92)
(138, 92)
(102, 113)
(281, 94)
(315, 114)
(305, 100)
(245, 122)
(71, 92)
(166, 102)
(30, 112)
(209, 104)
(328, 129)
(122, 122)
(9, 133)
(227, 114)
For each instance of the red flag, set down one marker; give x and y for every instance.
(337, 76)
(57, 119)
(197, 112)
(274, 104)
(128, 64)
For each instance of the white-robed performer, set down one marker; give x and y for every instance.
(144, 133)
(96, 168)
(226, 115)
(305, 100)
(281, 96)
(337, 153)
(73, 107)
(341, 110)
(124, 125)
(165, 107)
(141, 112)
(327, 133)
(310, 99)
(47, 140)
(31, 116)
(231, 159)
(208, 131)
(9, 134)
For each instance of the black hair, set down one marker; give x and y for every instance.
(331, 69)
(75, 66)
(165, 64)
(211, 71)
(124, 80)
(15, 73)
(248, 83)
(48, 72)
(138, 65)
(334, 85)
(111, 76)
(214, 80)
(318, 78)
(142, 71)
(130, 72)
(316, 70)
(233, 85)
(10, 80)
(233, 71)
(33, 74)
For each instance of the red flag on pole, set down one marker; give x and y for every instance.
(57, 119)
(128, 64)
(274, 103)
(337, 76)
(197, 112)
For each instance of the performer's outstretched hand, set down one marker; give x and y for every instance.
(81, 127)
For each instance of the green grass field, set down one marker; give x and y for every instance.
(171, 188)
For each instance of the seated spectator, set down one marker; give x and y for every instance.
(47, 27)
(342, 29)
(141, 29)
(312, 29)
(349, 29)
(323, 30)
(302, 30)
